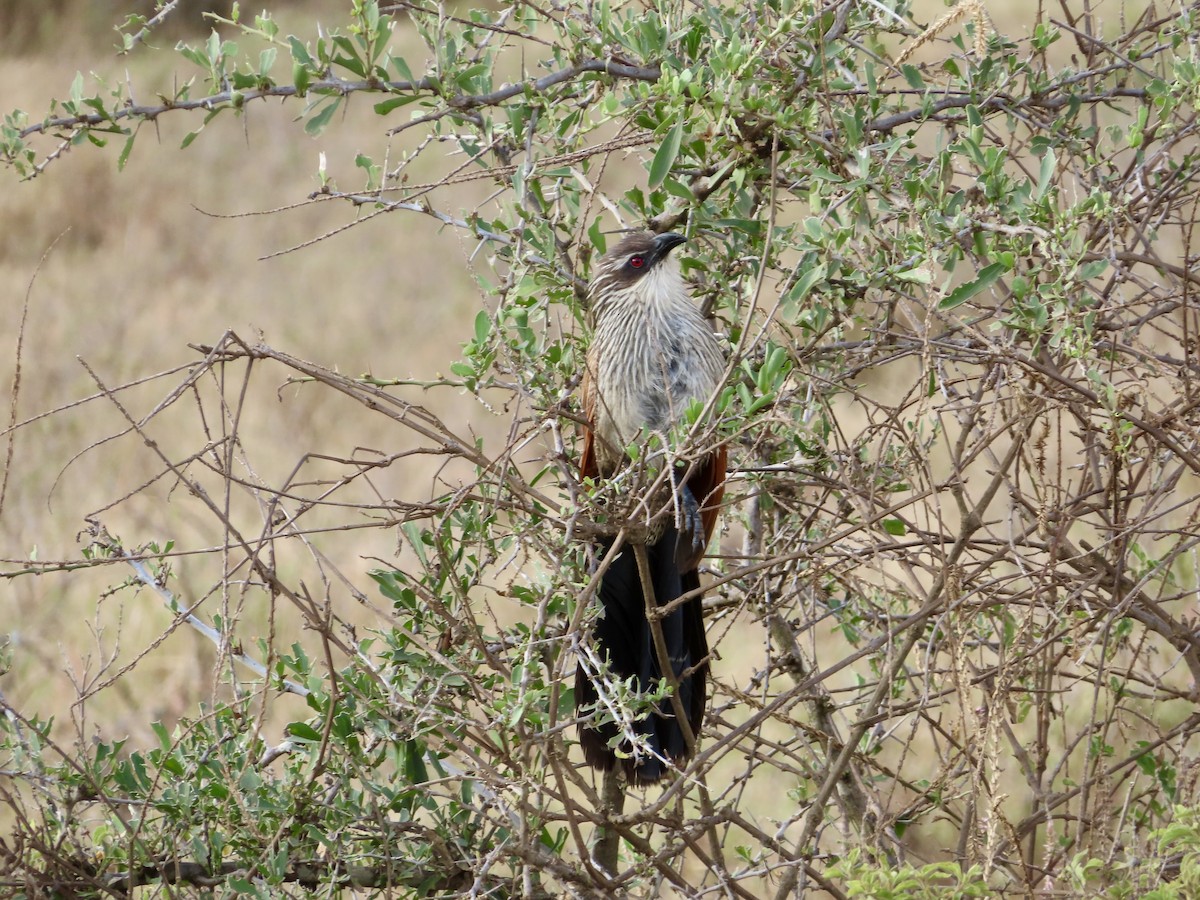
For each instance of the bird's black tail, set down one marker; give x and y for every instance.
(623, 637)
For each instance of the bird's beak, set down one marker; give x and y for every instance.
(665, 243)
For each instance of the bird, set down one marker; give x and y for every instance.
(652, 355)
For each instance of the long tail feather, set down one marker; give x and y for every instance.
(624, 638)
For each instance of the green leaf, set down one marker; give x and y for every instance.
(894, 527)
(471, 79)
(301, 77)
(760, 403)
(373, 171)
(349, 58)
(317, 123)
(988, 276)
(383, 107)
(304, 731)
(805, 282)
(660, 166)
(677, 189)
(124, 157)
(213, 47)
(596, 235)
(414, 762)
(1046, 173)
(299, 52)
(915, 276)
(402, 69)
(192, 55)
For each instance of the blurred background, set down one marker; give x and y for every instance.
(122, 270)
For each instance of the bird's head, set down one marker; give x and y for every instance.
(640, 268)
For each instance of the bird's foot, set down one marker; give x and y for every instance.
(691, 525)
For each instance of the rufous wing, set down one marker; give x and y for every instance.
(588, 467)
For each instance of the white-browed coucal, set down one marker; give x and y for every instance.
(652, 355)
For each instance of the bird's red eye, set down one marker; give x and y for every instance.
(636, 262)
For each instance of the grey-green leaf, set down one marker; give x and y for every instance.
(660, 167)
(988, 276)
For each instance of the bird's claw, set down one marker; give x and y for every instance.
(691, 519)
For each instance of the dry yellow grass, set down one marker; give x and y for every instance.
(136, 273)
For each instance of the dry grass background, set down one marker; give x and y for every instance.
(138, 271)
